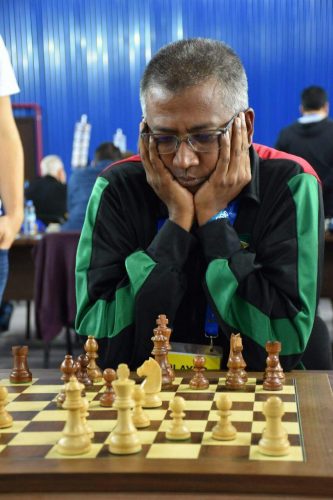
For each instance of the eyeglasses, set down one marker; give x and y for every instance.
(201, 142)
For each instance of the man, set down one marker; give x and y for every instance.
(217, 234)
(311, 138)
(49, 192)
(82, 182)
(11, 165)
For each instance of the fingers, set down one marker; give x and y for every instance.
(144, 150)
(148, 151)
(141, 144)
(224, 156)
(156, 173)
(230, 153)
(236, 143)
(239, 151)
(245, 140)
(153, 153)
(233, 169)
(245, 149)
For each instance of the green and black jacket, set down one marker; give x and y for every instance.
(261, 276)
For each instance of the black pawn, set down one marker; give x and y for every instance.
(82, 372)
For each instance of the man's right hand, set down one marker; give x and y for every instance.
(178, 200)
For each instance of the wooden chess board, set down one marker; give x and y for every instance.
(29, 445)
(38, 422)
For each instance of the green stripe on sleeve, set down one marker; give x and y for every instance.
(293, 333)
(138, 266)
(103, 318)
(304, 188)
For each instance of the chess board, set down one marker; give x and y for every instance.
(38, 422)
(29, 462)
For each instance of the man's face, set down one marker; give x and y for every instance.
(196, 109)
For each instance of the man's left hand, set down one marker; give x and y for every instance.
(231, 175)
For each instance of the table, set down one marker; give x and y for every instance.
(55, 305)
(136, 474)
(20, 284)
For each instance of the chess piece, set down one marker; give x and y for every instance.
(199, 381)
(152, 384)
(163, 321)
(91, 348)
(274, 441)
(178, 430)
(6, 420)
(124, 438)
(242, 361)
(82, 371)
(140, 418)
(68, 368)
(84, 415)
(235, 376)
(224, 430)
(20, 372)
(108, 396)
(160, 353)
(74, 440)
(273, 376)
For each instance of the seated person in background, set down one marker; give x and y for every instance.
(220, 234)
(49, 192)
(311, 137)
(82, 182)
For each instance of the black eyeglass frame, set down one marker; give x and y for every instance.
(179, 139)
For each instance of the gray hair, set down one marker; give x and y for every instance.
(50, 165)
(186, 63)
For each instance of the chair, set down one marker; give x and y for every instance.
(54, 291)
(20, 284)
(318, 352)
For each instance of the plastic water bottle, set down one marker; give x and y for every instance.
(29, 224)
(119, 140)
(81, 143)
(330, 225)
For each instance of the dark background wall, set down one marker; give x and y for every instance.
(87, 56)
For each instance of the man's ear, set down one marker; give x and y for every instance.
(249, 119)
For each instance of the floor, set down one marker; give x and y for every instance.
(16, 336)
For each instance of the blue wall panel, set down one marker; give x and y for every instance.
(87, 56)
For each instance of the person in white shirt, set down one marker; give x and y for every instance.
(11, 165)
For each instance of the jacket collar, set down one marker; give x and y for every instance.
(252, 190)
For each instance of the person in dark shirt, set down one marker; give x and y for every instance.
(218, 233)
(49, 192)
(82, 182)
(311, 137)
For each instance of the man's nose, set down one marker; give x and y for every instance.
(185, 157)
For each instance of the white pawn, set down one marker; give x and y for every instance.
(178, 430)
(140, 418)
(6, 419)
(74, 440)
(124, 438)
(224, 430)
(274, 439)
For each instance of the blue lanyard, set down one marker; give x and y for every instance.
(232, 210)
(211, 325)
